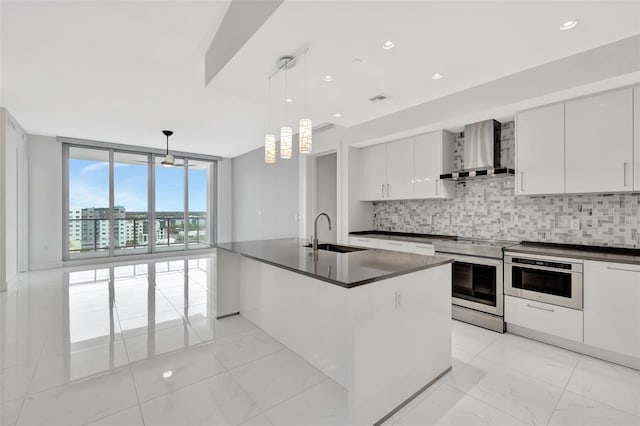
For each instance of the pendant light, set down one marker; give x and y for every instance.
(286, 133)
(269, 138)
(168, 159)
(305, 126)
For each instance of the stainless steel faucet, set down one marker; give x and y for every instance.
(314, 241)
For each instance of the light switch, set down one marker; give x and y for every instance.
(394, 219)
(574, 224)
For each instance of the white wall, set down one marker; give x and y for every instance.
(13, 196)
(224, 206)
(45, 202)
(265, 197)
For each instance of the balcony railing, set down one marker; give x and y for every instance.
(92, 235)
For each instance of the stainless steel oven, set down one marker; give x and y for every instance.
(477, 283)
(557, 282)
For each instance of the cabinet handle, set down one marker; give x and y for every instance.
(394, 244)
(522, 181)
(541, 308)
(624, 169)
(388, 191)
(382, 190)
(424, 247)
(612, 268)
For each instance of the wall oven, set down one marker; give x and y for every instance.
(557, 282)
(477, 283)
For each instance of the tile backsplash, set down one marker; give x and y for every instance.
(488, 208)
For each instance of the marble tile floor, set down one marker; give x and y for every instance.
(138, 344)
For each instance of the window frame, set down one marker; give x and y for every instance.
(152, 155)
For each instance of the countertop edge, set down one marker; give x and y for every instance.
(593, 256)
(444, 261)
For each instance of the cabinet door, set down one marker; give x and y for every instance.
(612, 307)
(400, 169)
(540, 151)
(427, 164)
(374, 178)
(636, 139)
(599, 143)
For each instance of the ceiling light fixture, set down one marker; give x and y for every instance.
(167, 374)
(389, 44)
(569, 24)
(327, 78)
(337, 115)
(286, 133)
(269, 139)
(168, 160)
(437, 76)
(305, 128)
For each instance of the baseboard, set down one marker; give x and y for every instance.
(579, 347)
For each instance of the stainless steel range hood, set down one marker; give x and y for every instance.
(481, 151)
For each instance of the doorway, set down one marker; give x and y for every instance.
(326, 199)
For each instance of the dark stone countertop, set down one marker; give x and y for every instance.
(402, 236)
(344, 269)
(597, 253)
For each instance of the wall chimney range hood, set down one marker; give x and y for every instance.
(481, 151)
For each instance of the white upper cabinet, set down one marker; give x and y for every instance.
(374, 173)
(408, 168)
(636, 138)
(399, 184)
(433, 156)
(540, 151)
(599, 143)
(612, 307)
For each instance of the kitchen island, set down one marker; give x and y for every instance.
(377, 322)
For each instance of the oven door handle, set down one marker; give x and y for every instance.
(541, 308)
(546, 268)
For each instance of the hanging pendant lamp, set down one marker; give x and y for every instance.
(270, 138)
(305, 127)
(286, 133)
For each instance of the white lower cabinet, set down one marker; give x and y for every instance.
(364, 242)
(551, 319)
(612, 307)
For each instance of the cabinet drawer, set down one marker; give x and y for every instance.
(550, 319)
(364, 242)
(396, 246)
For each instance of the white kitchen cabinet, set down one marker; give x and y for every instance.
(636, 139)
(612, 307)
(357, 241)
(374, 172)
(540, 151)
(433, 156)
(399, 184)
(599, 143)
(550, 319)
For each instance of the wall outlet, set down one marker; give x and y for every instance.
(398, 299)
(394, 219)
(574, 224)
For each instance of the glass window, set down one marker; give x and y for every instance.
(106, 185)
(169, 206)
(131, 200)
(199, 220)
(88, 221)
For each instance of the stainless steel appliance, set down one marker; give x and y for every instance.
(477, 280)
(558, 282)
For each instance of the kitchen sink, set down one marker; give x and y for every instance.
(336, 248)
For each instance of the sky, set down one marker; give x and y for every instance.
(89, 186)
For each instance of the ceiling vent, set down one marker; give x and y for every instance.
(377, 98)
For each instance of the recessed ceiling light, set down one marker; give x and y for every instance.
(437, 76)
(569, 24)
(289, 100)
(167, 374)
(327, 78)
(337, 114)
(389, 44)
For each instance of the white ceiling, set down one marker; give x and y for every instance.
(123, 71)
